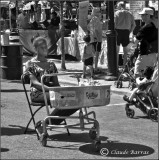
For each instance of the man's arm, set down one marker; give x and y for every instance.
(133, 24)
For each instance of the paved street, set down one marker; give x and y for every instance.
(121, 137)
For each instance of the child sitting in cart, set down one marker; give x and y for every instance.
(88, 55)
(148, 73)
(38, 66)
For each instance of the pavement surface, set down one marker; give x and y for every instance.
(123, 137)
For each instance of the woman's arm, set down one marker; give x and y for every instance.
(35, 83)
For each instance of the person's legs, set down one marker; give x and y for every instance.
(125, 50)
(89, 63)
(56, 112)
(142, 62)
(96, 61)
(117, 51)
(91, 70)
(98, 50)
(125, 42)
(84, 70)
(38, 97)
(119, 40)
(138, 67)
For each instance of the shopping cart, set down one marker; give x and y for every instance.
(75, 97)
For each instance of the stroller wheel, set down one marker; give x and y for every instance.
(130, 113)
(93, 133)
(43, 139)
(127, 107)
(153, 114)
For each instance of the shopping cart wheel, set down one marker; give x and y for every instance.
(93, 133)
(43, 139)
(153, 114)
(97, 144)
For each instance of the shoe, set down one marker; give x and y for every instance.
(126, 98)
(39, 127)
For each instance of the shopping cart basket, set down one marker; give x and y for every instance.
(75, 97)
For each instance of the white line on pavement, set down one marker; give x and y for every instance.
(118, 104)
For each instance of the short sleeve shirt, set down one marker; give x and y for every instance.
(34, 67)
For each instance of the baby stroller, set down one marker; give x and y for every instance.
(127, 74)
(145, 101)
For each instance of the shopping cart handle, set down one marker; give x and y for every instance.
(66, 73)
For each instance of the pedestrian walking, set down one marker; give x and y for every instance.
(147, 39)
(124, 25)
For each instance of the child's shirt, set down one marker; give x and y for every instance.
(88, 51)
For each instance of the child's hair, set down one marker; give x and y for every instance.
(87, 38)
(148, 72)
(38, 41)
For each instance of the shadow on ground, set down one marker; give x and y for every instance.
(12, 90)
(4, 149)
(113, 149)
(13, 130)
(77, 138)
(74, 137)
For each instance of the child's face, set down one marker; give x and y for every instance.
(42, 49)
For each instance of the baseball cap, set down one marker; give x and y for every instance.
(147, 11)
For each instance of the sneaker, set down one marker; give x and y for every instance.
(126, 98)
